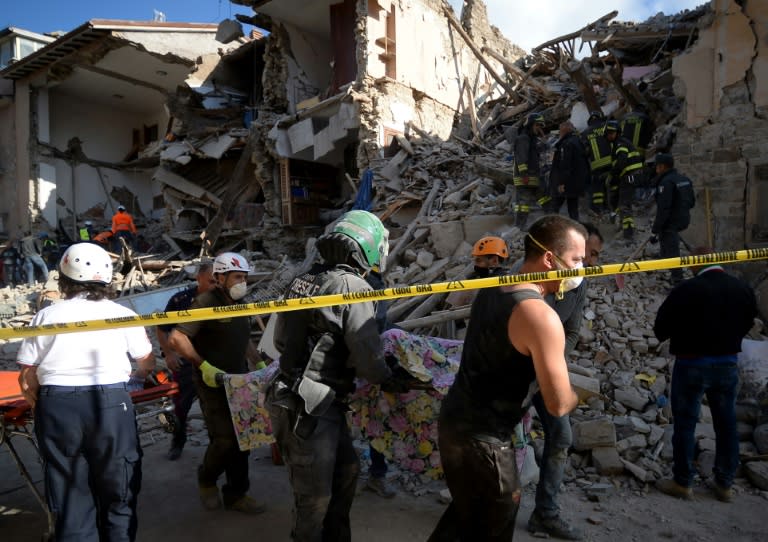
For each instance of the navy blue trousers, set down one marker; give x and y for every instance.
(92, 461)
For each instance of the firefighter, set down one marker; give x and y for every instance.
(599, 157)
(626, 170)
(527, 170)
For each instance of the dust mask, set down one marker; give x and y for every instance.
(238, 291)
(570, 283)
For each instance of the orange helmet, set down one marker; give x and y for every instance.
(488, 246)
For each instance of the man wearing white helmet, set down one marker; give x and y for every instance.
(84, 418)
(215, 347)
(322, 351)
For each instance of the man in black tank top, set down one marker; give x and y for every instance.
(513, 338)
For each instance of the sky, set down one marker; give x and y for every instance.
(527, 23)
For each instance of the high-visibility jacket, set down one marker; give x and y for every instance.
(626, 159)
(85, 233)
(122, 221)
(598, 148)
(527, 160)
(637, 128)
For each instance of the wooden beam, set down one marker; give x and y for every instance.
(573, 35)
(457, 25)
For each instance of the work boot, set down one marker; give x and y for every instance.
(246, 505)
(380, 487)
(554, 526)
(209, 498)
(174, 452)
(672, 488)
(722, 493)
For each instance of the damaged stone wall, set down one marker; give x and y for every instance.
(474, 18)
(724, 80)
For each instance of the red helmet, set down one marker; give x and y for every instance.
(488, 246)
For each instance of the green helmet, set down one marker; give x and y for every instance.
(369, 233)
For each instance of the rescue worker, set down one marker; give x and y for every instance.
(87, 232)
(674, 200)
(84, 418)
(636, 126)
(215, 347)
(122, 227)
(514, 338)
(527, 169)
(570, 171)
(322, 351)
(183, 370)
(626, 170)
(599, 157)
(32, 251)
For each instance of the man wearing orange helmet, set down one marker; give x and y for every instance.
(489, 254)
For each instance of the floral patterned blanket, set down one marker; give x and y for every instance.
(401, 426)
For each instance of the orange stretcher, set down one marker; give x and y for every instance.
(16, 421)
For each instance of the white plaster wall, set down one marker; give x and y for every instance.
(313, 54)
(184, 44)
(106, 135)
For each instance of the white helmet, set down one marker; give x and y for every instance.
(86, 262)
(230, 261)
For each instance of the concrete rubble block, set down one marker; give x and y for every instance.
(301, 135)
(607, 461)
(424, 258)
(476, 227)
(705, 430)
(611, 320)
(747, 449)
(757, 473)
(599, 492)
(637, 471)
(584, 386)
(622, 379)
(745, 430)
(632, 398)
(446, 236)
(464, 250)
(409, 256)
(594, 433)
(705, 414)
(760, 437)
(655, 435)
(638, 425)
(229, 30)
(586, 335)
(659, 386)
(641, 347)
(706, 444)
(633, 442)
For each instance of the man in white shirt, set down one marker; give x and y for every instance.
(84, 418)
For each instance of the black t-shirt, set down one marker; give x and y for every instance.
(222, 342)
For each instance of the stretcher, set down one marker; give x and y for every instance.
(16, 422)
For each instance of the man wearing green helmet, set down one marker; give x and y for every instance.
(321, 352)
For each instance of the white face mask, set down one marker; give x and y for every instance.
(238, 291)
(571, 283)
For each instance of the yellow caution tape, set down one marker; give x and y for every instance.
(284, 305)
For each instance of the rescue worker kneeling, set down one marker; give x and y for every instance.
(322, 351)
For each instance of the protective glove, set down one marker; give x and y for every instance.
(135, 383)
(654, 239)
(210, 374)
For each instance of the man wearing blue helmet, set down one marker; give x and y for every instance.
(321, 352)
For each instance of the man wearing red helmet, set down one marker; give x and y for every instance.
(215, 347)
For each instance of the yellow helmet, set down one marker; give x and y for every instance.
(488, 246)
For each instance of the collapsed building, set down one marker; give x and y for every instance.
(403, 107)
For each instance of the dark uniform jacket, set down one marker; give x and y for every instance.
(526, 160)
(637, 128)
(625, 159)
(707, 315)
(569, 167)
(674, 200)
(598, 148)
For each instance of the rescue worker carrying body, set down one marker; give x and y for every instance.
(527, 169)
(626, 172)
(599, 157)
(321, 352)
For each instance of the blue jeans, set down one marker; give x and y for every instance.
(30, 262)
(92, 461)
(557, 440)
(717, 377)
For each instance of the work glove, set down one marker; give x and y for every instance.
(211, 374)
(654, 239)
(135, 383)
